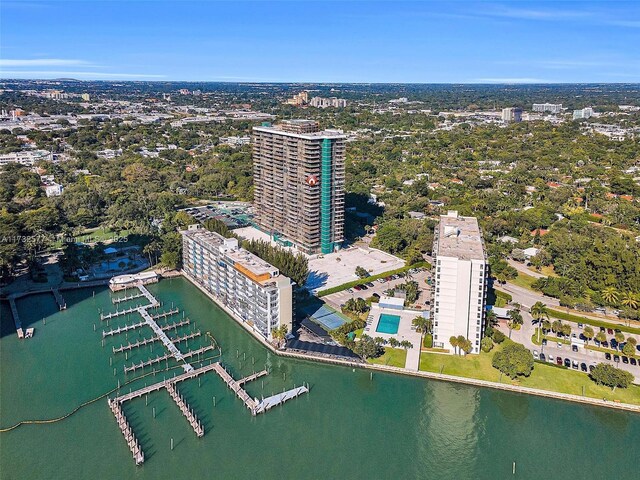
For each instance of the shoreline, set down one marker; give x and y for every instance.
(428, 375)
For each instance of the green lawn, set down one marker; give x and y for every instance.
(545, 377)
(523, 280)
(394, 357)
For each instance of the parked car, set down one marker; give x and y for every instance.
(614, 343)
(567, 362)
(536, 355)
(574, 364)
(602, 329)
(580, 325)
(357, 287)
(551, 358)
(607, 356)
(364, 287)
(596, 343)
(559, 344)
(559, 361)
(616, 358)
(633, 361)
(370, 285)
(591, 367)
(543, 358)
(605, 344)
(544, 341)
(583, 367)
(625, 360)
(350, 290)
(610, 331)
(574, 348)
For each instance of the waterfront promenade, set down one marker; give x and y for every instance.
(424, 374)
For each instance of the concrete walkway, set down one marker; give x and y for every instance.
(413, 358)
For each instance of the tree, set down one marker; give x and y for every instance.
(453, 340)
(605, 374)
(515, 319)
(279, 334)
(588, 333)
(362, 272)
(566, 329)
(486, 344)
(538, 312)
(393, 341)
(498, 336)
(601, 337)
(630, 300)
(619, 336)
(406, 344)
(513, 360)
(422, 324)
(367, 347)
(610, 295)
(629, 349)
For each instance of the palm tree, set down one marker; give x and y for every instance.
(393, 341)
(630, 300)
(538, 311)
(406, 344)
(588, 333)
(610, 295)
(279, 333)
(516, 319)
(423, 325)
(454, 343)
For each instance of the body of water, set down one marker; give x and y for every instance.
(349, 426)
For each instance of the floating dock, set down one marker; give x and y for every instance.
(252, 377)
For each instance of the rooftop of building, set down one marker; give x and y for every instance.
(300, 128)
(259, 269)
(460, 237)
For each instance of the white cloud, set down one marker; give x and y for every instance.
(41, 62)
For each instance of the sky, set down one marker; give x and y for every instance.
(330, 41)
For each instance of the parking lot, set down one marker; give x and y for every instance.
(585, 356)
(336, 300)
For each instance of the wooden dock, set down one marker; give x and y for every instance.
(249, 402)
(62, 305)
(186, 411)
(125, 428)
(157, 386)
(124, 328)
(16, 317)
(152, 300)
(252, 377)
(152, 361)
(165, 314)
(127, 298)
(118, 313)
(146, 341)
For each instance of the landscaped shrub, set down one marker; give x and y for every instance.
(428, 341)
(498, 336)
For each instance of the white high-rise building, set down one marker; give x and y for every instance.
(251, 289)
(586, 112)
(460, 287)
(547, 107)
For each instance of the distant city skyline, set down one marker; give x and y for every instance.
(316, 42)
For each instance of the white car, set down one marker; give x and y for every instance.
(559, 344)
(536, 355)
(551, 359)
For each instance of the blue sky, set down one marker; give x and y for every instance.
(331, 41)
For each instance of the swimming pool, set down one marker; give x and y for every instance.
(388, 323)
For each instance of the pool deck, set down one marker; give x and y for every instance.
(405, 331)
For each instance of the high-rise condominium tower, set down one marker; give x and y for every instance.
(298, 176)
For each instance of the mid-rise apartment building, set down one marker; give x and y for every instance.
(252, 289)
(460, 287)
(298, 176)
(547, 107)
(586, 112)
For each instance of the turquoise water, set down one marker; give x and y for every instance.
(388, 323)
(348, 426)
